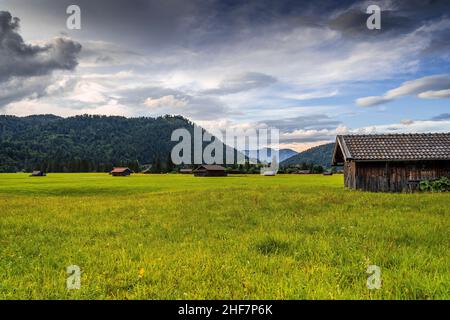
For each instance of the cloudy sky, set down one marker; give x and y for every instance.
(310, 68)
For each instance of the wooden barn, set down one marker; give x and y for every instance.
(121, 172)
(392, 162)
(210, 170)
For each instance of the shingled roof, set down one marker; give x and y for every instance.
(392, 147)
(121, 170)
(211, 167)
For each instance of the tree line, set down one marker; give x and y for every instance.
(93, 143)
(87, 143)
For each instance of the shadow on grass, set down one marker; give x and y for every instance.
(271, 246)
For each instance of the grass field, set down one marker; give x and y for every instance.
(239, 237)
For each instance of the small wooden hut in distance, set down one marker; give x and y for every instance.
(117, 172)
(392, 162)
(210, 170)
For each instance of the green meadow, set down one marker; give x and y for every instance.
(239, 237)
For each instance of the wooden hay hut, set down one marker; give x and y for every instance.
(116, 172)
(210, 170)
(392, 162)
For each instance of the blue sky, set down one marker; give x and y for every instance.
(311, 69)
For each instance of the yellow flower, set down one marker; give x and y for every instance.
(141, 272)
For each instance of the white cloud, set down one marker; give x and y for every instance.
(311, 135)
(311, 95)
(315, 137)
(242, 82)
(415, 127)
(371, 101)
(30, 106)
(89, 92)
(438, 94)
(407, 122)
(165, 102)
(436, 86)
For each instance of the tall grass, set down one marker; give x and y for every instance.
(239, 237)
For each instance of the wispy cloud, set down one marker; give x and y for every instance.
(437, 94)
(242, 82)
(165, 102)
(437, 86)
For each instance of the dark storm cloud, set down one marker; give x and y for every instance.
(440, 42)
(18, 88)
(154, 24)
(397, 17)
(242, 82)
(99, 53)
(353, 23)
(201, 24)
(158, 25)
(18, 59)
(310, 122)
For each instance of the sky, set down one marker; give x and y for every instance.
(312, 69)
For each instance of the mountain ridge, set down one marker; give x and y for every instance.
(258, 154)
(319, 155)
(85, 142)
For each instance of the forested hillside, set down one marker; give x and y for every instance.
(85, 143)
(320, 155)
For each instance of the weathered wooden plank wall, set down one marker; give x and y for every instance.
(349, 174)
(392, 176)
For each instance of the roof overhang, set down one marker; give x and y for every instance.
(414, 147)
(340, 145)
